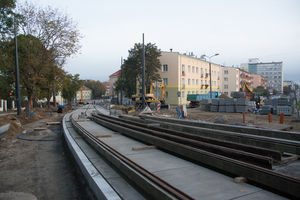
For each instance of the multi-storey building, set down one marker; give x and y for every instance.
(187, 74)
(84, 93)
(273, 71)
(230, 80)
(112, 80)
(258, 80)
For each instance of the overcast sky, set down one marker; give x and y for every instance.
(237, 30)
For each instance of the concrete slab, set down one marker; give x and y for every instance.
(203, 183)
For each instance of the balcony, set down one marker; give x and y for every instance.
(206, 86)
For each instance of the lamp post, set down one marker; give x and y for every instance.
(209, 57)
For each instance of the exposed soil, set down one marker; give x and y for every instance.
(43, 169)
(237, 118)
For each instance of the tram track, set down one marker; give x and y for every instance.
(257, 174)
(153, 186)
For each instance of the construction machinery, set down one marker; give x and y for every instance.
(250, 94)
(150, 98)
(196, 98)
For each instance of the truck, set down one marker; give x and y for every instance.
(196, 98)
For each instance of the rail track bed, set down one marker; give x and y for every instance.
(156, 162)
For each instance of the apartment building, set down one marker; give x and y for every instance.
(85, 93)
(230, 80)
(186, 74)
(112, 79)
(258, 80)
(273, 71)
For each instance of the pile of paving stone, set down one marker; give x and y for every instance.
(229, 105)
(277, 106)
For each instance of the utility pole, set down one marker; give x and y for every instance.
(18, 96)
(143, 75)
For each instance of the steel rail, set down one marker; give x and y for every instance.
(259, 160)
(282, 145)
(276, 155)
(268, 178)
(152, 185)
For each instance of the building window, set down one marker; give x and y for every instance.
(197, 82)
(193, 81)
(201, 71)
(165, 68)
(183, 82)
(225, 79)
(225, 86)
(201, 82)
(183, 69)
(189, 81)
(225, 71)
(182, 94)
(165, 81)
(226, 93)
(189, 68)
(197, 70)
(193, 69)
(189, 92)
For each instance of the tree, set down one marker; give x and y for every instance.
(33, 61)
(131, 74)
(6, 18)
(260, 90)
(56, 31)
(71, 85)
(287, 90)
(98, 89)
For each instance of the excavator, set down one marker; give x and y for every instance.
(150, 97)
(250, 94)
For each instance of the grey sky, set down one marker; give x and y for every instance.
(237, 30)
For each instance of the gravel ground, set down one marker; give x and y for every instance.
(41, 169)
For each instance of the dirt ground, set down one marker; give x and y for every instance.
(237, 118)
(41, 169)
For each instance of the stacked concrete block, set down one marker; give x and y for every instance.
(237, 94)
(265, 109)
(229, 108)
(241, 105)
(286, 110)
(205, 105)
(214, 108)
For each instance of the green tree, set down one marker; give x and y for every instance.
(56, 31)
(33, 61)
(261, 91)
(98, 89)
(287, 90)
(6, 18)
(131, 73)
(71, 85)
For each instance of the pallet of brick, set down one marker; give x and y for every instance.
(214, 108)
(222, 102)
(205, 107)
(268, 102)
(230, 109)
(282, 101)
(241, 109)
(204, 101)
(286, 110)
(265, 110)
(215, 102)
(237, 94)
(229, 102)
(222, 108)
(241, 101)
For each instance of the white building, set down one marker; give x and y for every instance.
(273, 71)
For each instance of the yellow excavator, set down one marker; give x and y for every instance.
(150, 98)
(250, 94)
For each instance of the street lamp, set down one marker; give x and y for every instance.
(209, 57)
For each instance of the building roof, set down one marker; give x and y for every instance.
(116, 73)
(85, 88)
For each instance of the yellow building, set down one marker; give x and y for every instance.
(230, 80)
(186, 74)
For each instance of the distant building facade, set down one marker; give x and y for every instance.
(112, 80)
(230, 80)
(258, 80)
(107, 88)
(186, 74)
(272, 71)
(85, 93)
